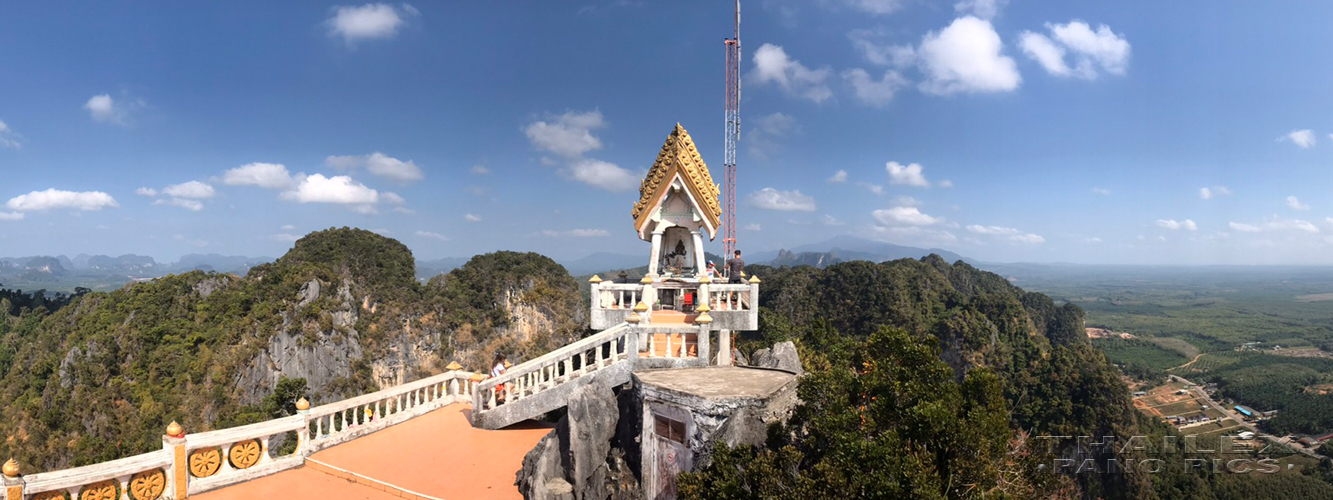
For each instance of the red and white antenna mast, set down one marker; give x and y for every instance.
(733, 134)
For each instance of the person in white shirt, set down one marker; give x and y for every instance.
(496, 370)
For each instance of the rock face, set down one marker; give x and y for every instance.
(782, 356)
(576, 460)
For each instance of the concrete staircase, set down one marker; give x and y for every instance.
(533, 388)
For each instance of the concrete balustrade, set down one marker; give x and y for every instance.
(194, 463)
(531, 378)
(730, 306)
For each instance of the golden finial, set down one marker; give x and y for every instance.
(754, 279)
(634, 318)
(453, 366)
(11, 468)
(647, 280)
(595, 279)
(703, 308)
(640, 307)
(703, 318)
(174, 429)
(302, 404)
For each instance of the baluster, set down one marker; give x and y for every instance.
(569, 368)
(668, 345)
(492, 390)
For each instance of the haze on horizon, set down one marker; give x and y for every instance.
(1179, 133)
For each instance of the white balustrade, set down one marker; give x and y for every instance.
(530, 378)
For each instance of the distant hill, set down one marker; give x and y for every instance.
(125, 264)
(427, 269)
(236, 264)
(603, 261)
(847, 248)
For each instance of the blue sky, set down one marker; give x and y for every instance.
(1089, 132)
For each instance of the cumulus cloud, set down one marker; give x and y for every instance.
(946, 183)
(434, 236)
(768, 132)
(339, 189)
(55, 199)
(1244, 228)
(904, 216)
(1091, 50)
(872, 92)
(184, 195)
(569, 136)
(369, 21)
(11, 215)
(966, 56)
(877, 51)
(1007, 233)
(877, 189)
(191, 205)
(8, 137)
(1302, 138)
(838, 177)
(906, 201)
(909, 175)
(1295, 204)
(985, 9)
(471, 218)
(379, 164)
(192, 189)
(772, 65)
(265, 175)
(787, 201)
(104, 109)
(145, 191)
(1175, 225)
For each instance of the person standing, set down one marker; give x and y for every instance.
(735, 268)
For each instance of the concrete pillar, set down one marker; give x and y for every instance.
(13, 481)
(704, 347)
(656, 254)
(700, 257)
(178, 474)
(724, 348)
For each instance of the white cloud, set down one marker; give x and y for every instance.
(788, 201)
(1008, 233)
(145, 191)
(1029, 238)
(368, 21)
(830, 220)
(1093, 239)
(946, 183)
(471, 218)
(1101, 191)
(339, 189)
(771, 65)
(838, 177)
(966, 56)
(192, 189)
(54, 199)
(766, 133)
(284, 237)
(11, 215)
(265, 175)
(480, 170)
(906, 174)
(602, 174)
(874, 92)
(288, 227)
(8, 137)
(191, 205)
(1303, 138)
(392, 198)
(1205, 193)
(751, 227)
(906, 201)
(877, 6)
(435, 236)
(882, 54)
(1244, 228)
(1090, 49)
(568, 135)
(1175, 225)
(904, 216)
(1295, 204)
(1292, 225)
(104, 109)
(985, 9)
(874, 188)
(379, 164)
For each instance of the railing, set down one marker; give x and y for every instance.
(731, 297)
(618, 295)
(673, 345)
(209, 460)
(527, 379)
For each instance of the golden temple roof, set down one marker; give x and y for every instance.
(679, 155)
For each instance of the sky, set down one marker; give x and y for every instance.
(1084, 132)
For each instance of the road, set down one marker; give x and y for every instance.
(1199, 393)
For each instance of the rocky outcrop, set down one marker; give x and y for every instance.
(782, 356)
(577, 461)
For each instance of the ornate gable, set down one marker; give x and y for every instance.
(679, 156)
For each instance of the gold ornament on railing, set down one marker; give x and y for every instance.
(703, 318)
(595, 279)
(105, 490)
(302, 404)
(174, 429)
(640, 307)
(703, 308)
(205, 462)
(148, 485)
(647, 280)
(754, 279)
(634, 318)
(453, 366)
(11, 468)
(50, 495)
(245, 454)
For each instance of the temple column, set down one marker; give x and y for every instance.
(656, 254)
(700, 257)
(724, 348)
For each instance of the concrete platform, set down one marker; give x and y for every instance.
(436, 455)
(718, 382)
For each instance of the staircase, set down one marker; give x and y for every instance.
(538, 386)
